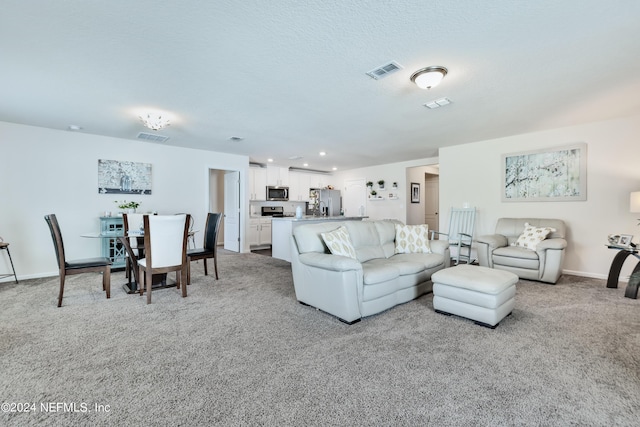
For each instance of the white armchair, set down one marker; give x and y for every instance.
(543, 264)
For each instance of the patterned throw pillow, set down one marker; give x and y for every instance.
(412, 239)
(531, 236)
(339, 243)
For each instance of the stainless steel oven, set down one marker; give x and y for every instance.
(278, 193)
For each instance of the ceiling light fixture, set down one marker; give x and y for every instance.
(429, 77)
(154, 121)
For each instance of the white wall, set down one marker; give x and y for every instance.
(386, 209)
(472, 173)
(50, 171)
(415, 211)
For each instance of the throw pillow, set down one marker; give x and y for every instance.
(339, 242)
(412, 239)
(531, 236)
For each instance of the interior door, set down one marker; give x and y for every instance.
(431, 201)
(354, 199)
(232, 211)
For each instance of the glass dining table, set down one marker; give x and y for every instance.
(159, 281)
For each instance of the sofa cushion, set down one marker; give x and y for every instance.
(366, 240)
(339, 243)
(379, 272)
(387, 231)
(531, 236)
(516, 256)
(426, 260)
(412, 239)
(404, 267)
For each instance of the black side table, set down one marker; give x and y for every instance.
(616, 266)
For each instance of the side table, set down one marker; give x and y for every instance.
(616, 266)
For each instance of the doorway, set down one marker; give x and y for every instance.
(432, 200)
(224, 196)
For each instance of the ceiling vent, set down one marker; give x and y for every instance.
(437, 103)
(384, 70)
(152, 137)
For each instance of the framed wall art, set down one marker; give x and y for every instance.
(116, 177)
(547, 175)
(415, 192)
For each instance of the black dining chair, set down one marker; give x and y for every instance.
(67, 268)
(210, 245)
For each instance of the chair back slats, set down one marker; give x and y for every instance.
(165, 239)
(462, 220)
(211, 230)
(56, 236)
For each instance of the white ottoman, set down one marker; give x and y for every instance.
(481, 294)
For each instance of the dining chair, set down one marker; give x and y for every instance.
(4, 246)
(133, 224)
(68, 268)
(210, 245)
(165, 247)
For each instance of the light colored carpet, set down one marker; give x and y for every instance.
(242, 351)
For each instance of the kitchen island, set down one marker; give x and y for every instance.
(281, 231)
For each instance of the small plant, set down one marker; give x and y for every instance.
(369, 184)
(381, 183)
(373, 193)
(127, 205)
(395, 184)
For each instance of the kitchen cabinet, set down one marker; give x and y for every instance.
(257, 183)
(277, 176)
(299, 184)
(259, 232)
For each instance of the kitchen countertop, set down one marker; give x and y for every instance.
(318, 218)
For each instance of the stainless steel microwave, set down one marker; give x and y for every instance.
(278, 193)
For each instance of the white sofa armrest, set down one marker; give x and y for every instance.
(439, 246)
(551, 244)
(486, 245)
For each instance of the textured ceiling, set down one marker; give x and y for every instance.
(289, 76)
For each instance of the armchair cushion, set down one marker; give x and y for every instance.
(531, 236)
(412, 239)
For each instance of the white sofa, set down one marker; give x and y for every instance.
(376, 281)
(543, 264)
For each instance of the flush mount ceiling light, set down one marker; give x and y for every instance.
(429, 77)
(154, 121)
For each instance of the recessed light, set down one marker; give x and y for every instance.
(334, 168)
(74, 127)
(305, 164)
(322, 153)
(270, 160)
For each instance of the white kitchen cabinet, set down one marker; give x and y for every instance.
(277, 176)
(299, 184)
(259, 232)
(257, 183)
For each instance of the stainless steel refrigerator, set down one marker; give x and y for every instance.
(324, 202)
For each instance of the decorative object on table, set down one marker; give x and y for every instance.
(551, 175)
(115, 176)
(374, 194)
(394, 185)
(369, 184)
(129, 207)
(625, 241)
(381, 184)
(415, 192)
(67, 268)
(299, 212)
(613, 239)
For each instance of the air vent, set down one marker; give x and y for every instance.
(384, 70)
(437, 103)
(152, 137)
